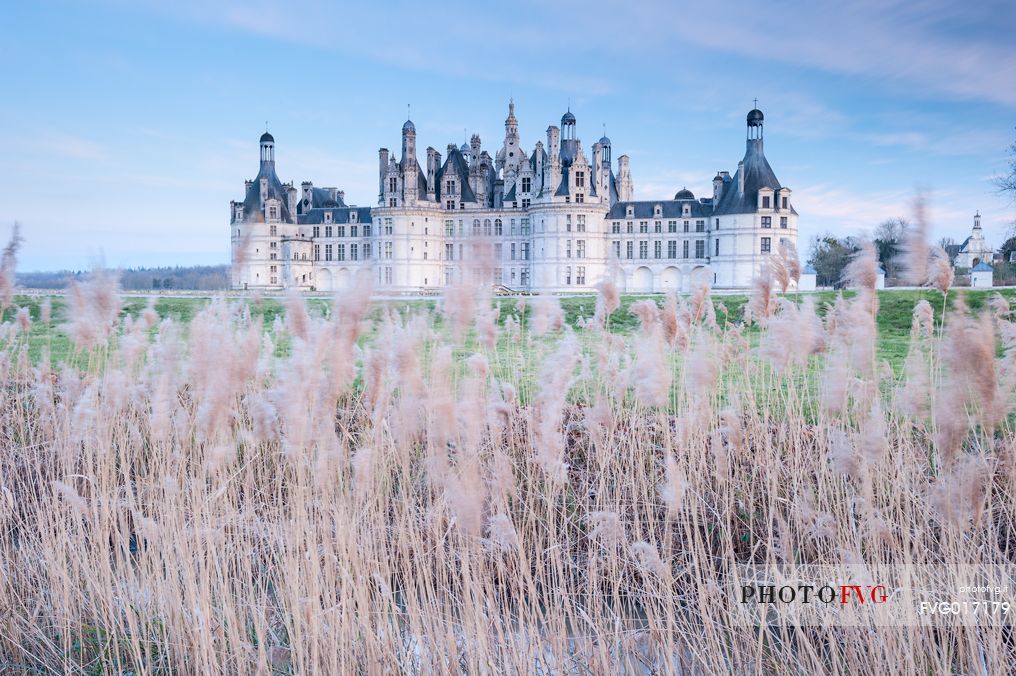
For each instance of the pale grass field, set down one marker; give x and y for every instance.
(389, 494)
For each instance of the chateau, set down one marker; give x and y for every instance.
(551, 219)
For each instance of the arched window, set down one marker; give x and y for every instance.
(476, 226)
(498, 227)
(486, 227)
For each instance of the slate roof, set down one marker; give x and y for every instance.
(340, 215)
(456, 164)
(254, 207)
(670, 209)
(757, 174)
(982, 267)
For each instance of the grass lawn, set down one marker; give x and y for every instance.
(894, 317)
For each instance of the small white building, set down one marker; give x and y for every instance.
(880, 278)
(982, 276)
(808, 279)
(974, 248)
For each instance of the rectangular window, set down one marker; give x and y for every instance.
(716, 248)
(783, 222)
(366, 251)
(767, 221)
(700, 226)
(580, 248)
(629, 229)
(366, 231)
(527, 184)
(643, 226)
(524, 224)
(567, 223)
(672, 249)
(644, 249)
(783, 204)
(629, 250)
(617, 249)
(388, 227)
(615, 228)
(700, 248)
(581, 225)
(328, 252)
(765, 202)
(567, 249)
(687, 224)
(341, 252)
(684, 249)
(317, 252)
(671, 226)
(273, 230)
(580, 198)
(498, 227)
(513, 251)
(525, 276)
(657, 249)
(449, 228)
(580, 275)
(767, 244)
(352, 231)
(525, 202)
(498, 251)
(580, 179)
(525, 251)
(567, 275)
(388, 276)
(449, 252)
(316, 231)
(328, 231)
(388, 251)
(354, 250)
(341, 230)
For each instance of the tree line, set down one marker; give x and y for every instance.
(184, 278)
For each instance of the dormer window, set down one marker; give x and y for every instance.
(783, 202)
(629, 211)
(657, 211)
(686, 210)
(328, 217)
(393, 184)
(527, 184)
(352, 216)
(765, 202)
(580, 179)
(273, 213)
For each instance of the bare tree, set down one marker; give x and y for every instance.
(1006, 183)
(888, 238)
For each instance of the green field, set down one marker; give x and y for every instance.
(894, 317)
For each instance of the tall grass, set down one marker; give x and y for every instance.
(194, 500)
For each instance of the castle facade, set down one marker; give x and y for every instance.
(550, 219)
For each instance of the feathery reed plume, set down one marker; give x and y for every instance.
(674, 486)
(501, 533)
(872, 438)
(608, 299)
(761, 304)
(46, 311)
(843, 457)
(647, 313)
(555, 376)
(605, 528)
(788, 253)
(93, 307)
(297, 318)
(546, 315)
(23, 319)
(8, 263)
(940, 272)
(862, 270)
(923, 325)
(778, 269)
(958, 495)
(648, 558)
(671, 321)
(915, 245)
(699, 304)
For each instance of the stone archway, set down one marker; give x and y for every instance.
(670, 280)
(642, 280)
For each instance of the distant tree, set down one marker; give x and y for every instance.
(951, 248)
(888, 244)
(167, 283)
(1006, 183)
(1007, 248)
(156, 283)
(829, 256)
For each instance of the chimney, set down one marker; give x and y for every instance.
(382, 161)
(740, 177)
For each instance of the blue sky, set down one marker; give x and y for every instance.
(129, 126)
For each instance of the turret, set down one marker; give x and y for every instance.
(267, 149)
(625, 189)
(409, 166)
(717, 187)
(554, 152)
(382, 161)
(433, 162)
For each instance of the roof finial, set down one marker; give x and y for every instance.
(409, 111)
(756, 102)
(266, 126)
